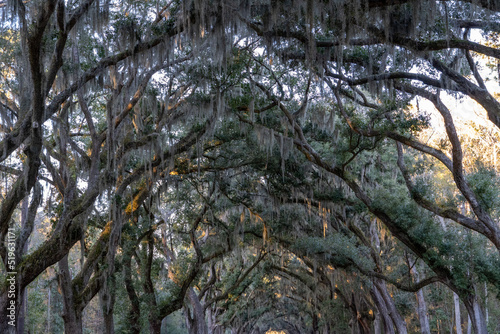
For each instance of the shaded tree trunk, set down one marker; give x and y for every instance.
(486, 311)
(377, 324)
(476, 315)
(107, 299)
(396, 318)
(72, 315)
(423, 317)
(23, 310)
(135, 312)
(23, 298)
(458, 321)
(382, 310)
(154, 320)
(198, 324)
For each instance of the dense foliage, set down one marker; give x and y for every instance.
(243, 166)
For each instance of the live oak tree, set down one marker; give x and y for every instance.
(257, 164)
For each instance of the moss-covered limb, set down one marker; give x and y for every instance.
(68, 232)
(84, 289)
(388, 76)
(83, 297)
(64, 30)
(362, 318)
(238, 282)
(98, 252)
(29, 222)
(49, 253)
(486, 4)
(435, 45)
(176, 302)
(9, 204)
(15, 138)
(428, 205)
(182, 285)
(479, 94)
(183, 145)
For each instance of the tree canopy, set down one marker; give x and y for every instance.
(323, 166)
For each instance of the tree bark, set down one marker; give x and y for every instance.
(398, 321)
(107, 299)
(135, 312)
(377, 326)
(72, 315)
(423, 317)
(458, 321)
(198, 323)
(475, 314)
(486, 311)
(154, 320)
(382, 310)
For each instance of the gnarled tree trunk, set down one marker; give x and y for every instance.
(72, 315)
(396, 318)
(476, 315)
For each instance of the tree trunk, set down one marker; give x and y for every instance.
(377, 324)
(135, 312)
(382, 310)
(198, 324)
(23, 304)
(423, 317)
(314, 322)
(107, 299)
(475, 314)
(486, 303)
(458, 321)
(398, 321)
(422, 313)
(154, 320)
(49, 320)
(210, 321)
(72, 316)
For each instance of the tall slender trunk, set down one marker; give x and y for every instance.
(49, 320)
(23, 301)
(486, 303)
(210, 321)
(135, 311)
(154, 320)
(458, 321)
(72, 315)
(423, 316)
(107, 300)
